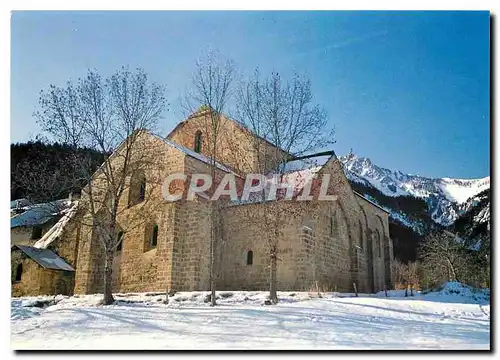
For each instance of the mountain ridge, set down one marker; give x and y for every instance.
(445, 197)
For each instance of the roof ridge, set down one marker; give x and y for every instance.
(371, 202)
(191, 153)
(57, 228)
(238, 123)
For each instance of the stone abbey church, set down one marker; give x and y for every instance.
(325, 245)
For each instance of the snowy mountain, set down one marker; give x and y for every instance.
(475, 221)
(446, 199)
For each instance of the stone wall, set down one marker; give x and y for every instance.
(191, 246)
(329, 245)
(21, 235)
(243, 232)
(180, 260)
(138, 266)
(309, 253)
(54, 282)
(377, 231)
(363, 221)
(29, 284)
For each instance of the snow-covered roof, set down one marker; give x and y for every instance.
(371, 202)
(298, 172)
(302, 170)
(307, 163)
(45, 258)
(195, 155)
(19, 203)
(56, 230)
(38, 214)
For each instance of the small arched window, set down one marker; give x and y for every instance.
(378, 244)
(154, 236)
(360, 235)
(198, 140)
(142, 190)
(36, 233)
(120, 241)
(307, 235)
(19, 272)
(137, 191)
(332, 225)
(250, 257)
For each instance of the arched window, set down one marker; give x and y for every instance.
(198, 140)
(250, 257)
(150, 236)
(120, 241)
(378, 244)
(307, 235)
(154, 236)
(142, 190)
(332, 225)
(360, 234)
(36, 233)
(137, 191)
(19, 272)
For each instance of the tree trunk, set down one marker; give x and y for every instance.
(273, 293)
(273, 269)
(166, 296)
(212, 257)
(108, 276)
(452, 271)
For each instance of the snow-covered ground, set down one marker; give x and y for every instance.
(448, 319)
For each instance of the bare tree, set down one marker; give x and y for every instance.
(412, 275)
(109, 115)
(442, 255)
(399, 271)
(283, 123)
(209, 94)
(406, 275)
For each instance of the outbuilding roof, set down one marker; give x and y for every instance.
(45, 258)
(38, 214)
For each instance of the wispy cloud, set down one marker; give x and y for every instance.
(344, 43)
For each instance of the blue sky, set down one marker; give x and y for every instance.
(409, 90)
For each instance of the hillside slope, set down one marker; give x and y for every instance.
(43, 172)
